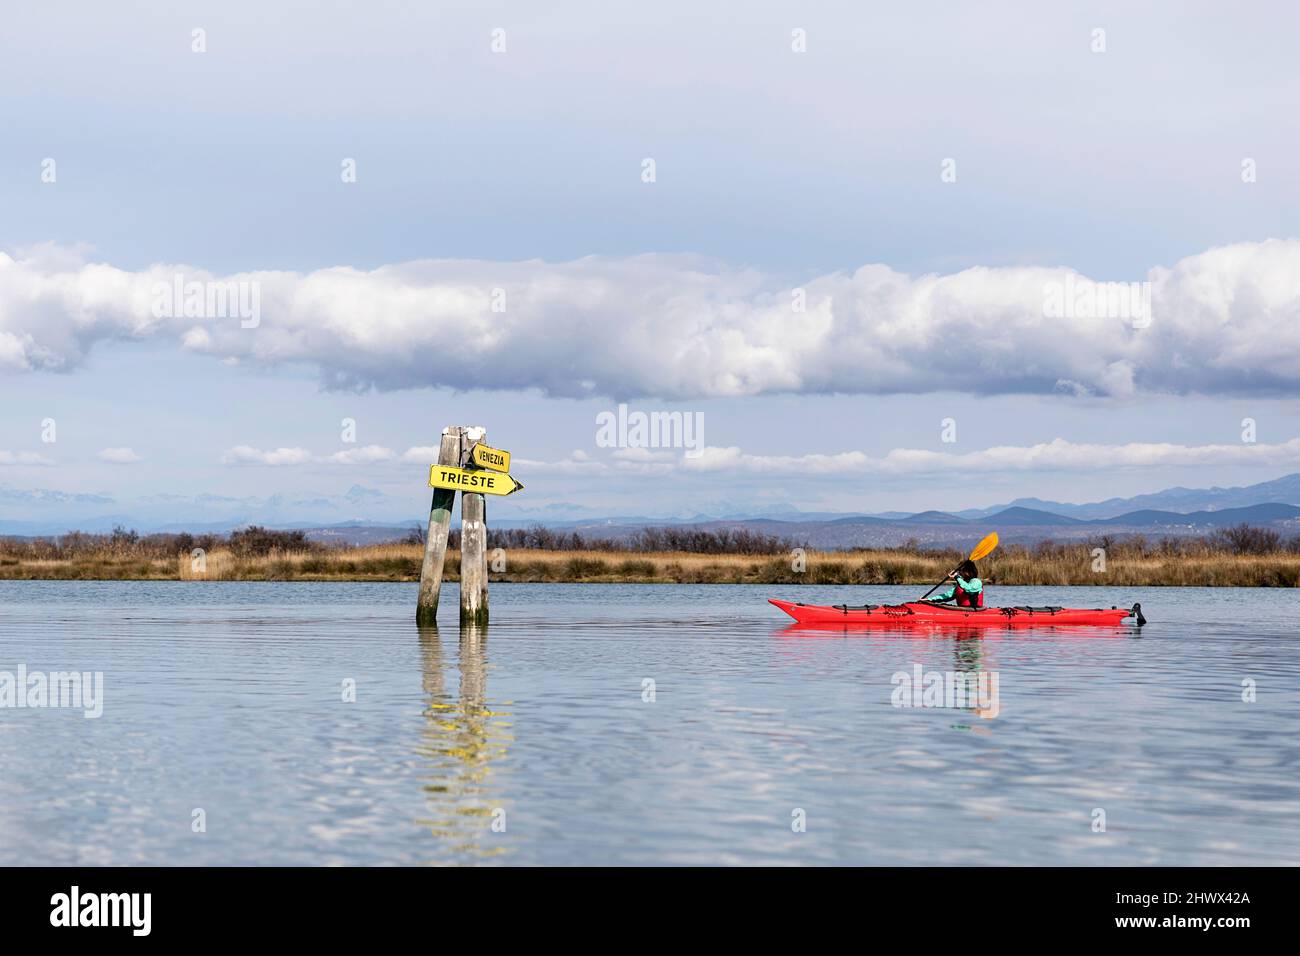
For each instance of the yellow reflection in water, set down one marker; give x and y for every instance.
(461, 740)
(971, 657)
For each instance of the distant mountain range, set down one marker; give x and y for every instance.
(1284, 490)
(1174, 511)
(1014, 525)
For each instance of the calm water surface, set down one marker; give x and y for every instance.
(228, 697)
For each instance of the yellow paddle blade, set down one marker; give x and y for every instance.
(985, 547)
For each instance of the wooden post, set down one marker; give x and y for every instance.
(473, 545)
(435, 543)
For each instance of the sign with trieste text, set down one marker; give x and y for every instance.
(471, 480)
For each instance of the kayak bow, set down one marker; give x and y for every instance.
(923, 614)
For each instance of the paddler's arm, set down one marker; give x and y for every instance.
(943, 595)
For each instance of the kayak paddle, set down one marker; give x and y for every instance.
(984, 547)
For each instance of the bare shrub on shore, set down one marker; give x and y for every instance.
(124, 545)
(646, 540)
(1238, 557)
(1243, 539)
(721, 541)
(256, 541)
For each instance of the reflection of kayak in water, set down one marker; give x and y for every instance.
(921, 613)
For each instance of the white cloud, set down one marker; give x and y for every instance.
(1057, 455)
(247, 455)
(421, 454)
(1224, 321)
(196, 339)
(365, 455)
(23, 458)
(628, 461)
(638, 456)
(119, 456)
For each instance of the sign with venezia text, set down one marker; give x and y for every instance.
(493, 458)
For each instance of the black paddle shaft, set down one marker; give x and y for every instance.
(937, 586)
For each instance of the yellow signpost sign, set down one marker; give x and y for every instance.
(467, 479)
(493, 458)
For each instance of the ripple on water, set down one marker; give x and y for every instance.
(638, 724)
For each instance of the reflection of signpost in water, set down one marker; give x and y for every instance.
(465, 464)
(462, 739)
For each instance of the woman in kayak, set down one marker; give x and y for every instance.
(967, 589)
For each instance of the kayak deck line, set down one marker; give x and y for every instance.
(922, 613)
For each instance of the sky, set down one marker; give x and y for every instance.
(828, 233)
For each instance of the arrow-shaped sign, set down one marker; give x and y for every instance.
(478, 482)
(493, 458)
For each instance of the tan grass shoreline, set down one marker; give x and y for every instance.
(1059, 566)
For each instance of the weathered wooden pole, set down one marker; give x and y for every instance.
(473, 544)
(435, 542)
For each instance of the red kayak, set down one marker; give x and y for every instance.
(925, 614)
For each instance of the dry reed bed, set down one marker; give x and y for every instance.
(401, 562)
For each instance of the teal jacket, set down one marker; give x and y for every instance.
(973, 586)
